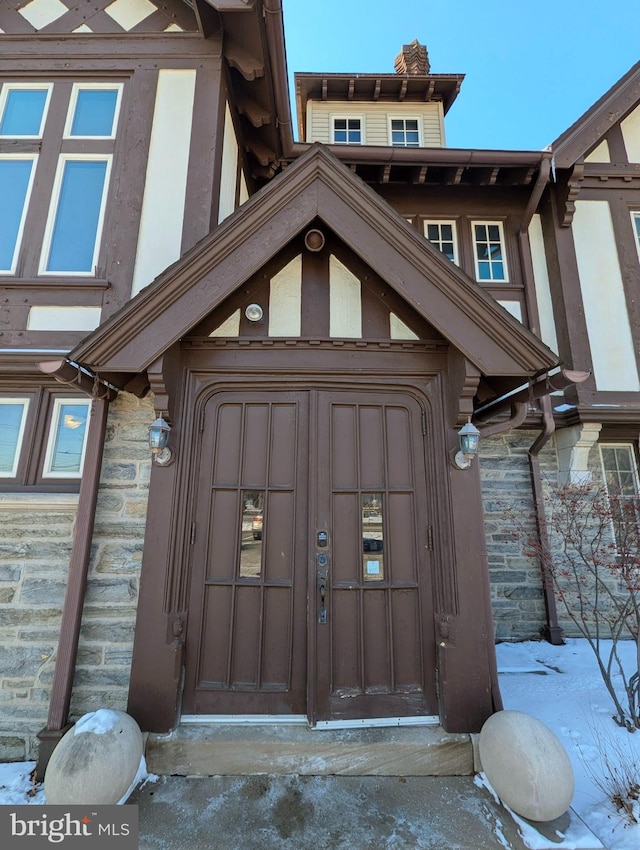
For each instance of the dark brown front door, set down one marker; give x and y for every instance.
(376, 649)
(310, 592)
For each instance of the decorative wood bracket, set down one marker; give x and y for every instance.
(249, 66)
(568, 192)
(162, 374)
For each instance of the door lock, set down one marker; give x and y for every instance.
(322, 582)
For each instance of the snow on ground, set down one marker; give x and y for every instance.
(559, 685)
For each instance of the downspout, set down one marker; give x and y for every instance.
(552, 631)
(60, 700)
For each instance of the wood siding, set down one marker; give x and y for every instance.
(375, 119)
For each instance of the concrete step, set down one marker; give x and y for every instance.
(244, 750)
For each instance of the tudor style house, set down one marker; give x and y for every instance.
(311, 323)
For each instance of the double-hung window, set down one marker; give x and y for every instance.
(43, 439)
(442, 235)
(347, 131)
(489, 251)
(405, 132)
(621, 480)
(67, 202)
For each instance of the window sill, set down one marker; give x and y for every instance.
(58, 502)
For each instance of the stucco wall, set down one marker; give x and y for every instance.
(35, 546)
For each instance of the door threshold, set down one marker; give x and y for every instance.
(430, 720)
(246, 719)
(302, 720)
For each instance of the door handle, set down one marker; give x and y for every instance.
(322, 581)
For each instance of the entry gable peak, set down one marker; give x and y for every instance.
(315, 187)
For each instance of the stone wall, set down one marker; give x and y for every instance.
(35, 545)
(516, 584)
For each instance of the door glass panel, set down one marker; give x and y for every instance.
(372, 537)
(251, 533)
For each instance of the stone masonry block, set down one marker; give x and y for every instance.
(12, 748)
(42, 592)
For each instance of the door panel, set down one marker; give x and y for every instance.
(246, 641)
(375, 652)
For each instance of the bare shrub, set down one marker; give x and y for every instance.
(592, 560)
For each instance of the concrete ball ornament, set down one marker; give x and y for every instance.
(527, 766)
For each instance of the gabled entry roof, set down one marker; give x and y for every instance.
(585, 133)
(316, 186)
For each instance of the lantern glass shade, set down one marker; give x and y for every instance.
(469, 437)
(158, 435)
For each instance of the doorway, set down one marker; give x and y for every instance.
(311, 587)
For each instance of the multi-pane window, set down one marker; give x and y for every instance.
(347, 131)
(621, 480)
(489, 253)
(68, 203)
(405, 133)
(442, 235)
(43, 439)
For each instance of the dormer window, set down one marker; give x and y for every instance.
(347, 131)
(405, 132)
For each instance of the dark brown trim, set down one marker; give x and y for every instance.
(590, 128)
(78, 569)
(203, 180)
(316, 185)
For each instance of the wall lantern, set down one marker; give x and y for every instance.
(158, 437)
(469, 437)
(254, 313)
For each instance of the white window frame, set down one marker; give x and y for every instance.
(634, 469)
(503, 244)
(391, 117)
(635, 224)
(53, 433)
(75, 90)
(27, 199)
(23, 424)
(4, 96)
(454, 232)
(342, 117)
(53, 209)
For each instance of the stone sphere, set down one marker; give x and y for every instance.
(526, 765)
(96, 762)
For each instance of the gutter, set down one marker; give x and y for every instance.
(552, 631)
(101, 394)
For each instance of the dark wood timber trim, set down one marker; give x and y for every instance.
(589, 129)
(78, 568)
(316, 185)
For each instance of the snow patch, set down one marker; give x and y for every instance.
(99, 722)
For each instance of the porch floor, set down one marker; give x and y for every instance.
(244, 750)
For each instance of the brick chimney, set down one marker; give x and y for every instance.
(413, 59)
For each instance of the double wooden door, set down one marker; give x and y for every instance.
(310, 588)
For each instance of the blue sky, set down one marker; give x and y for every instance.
(532, 68)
